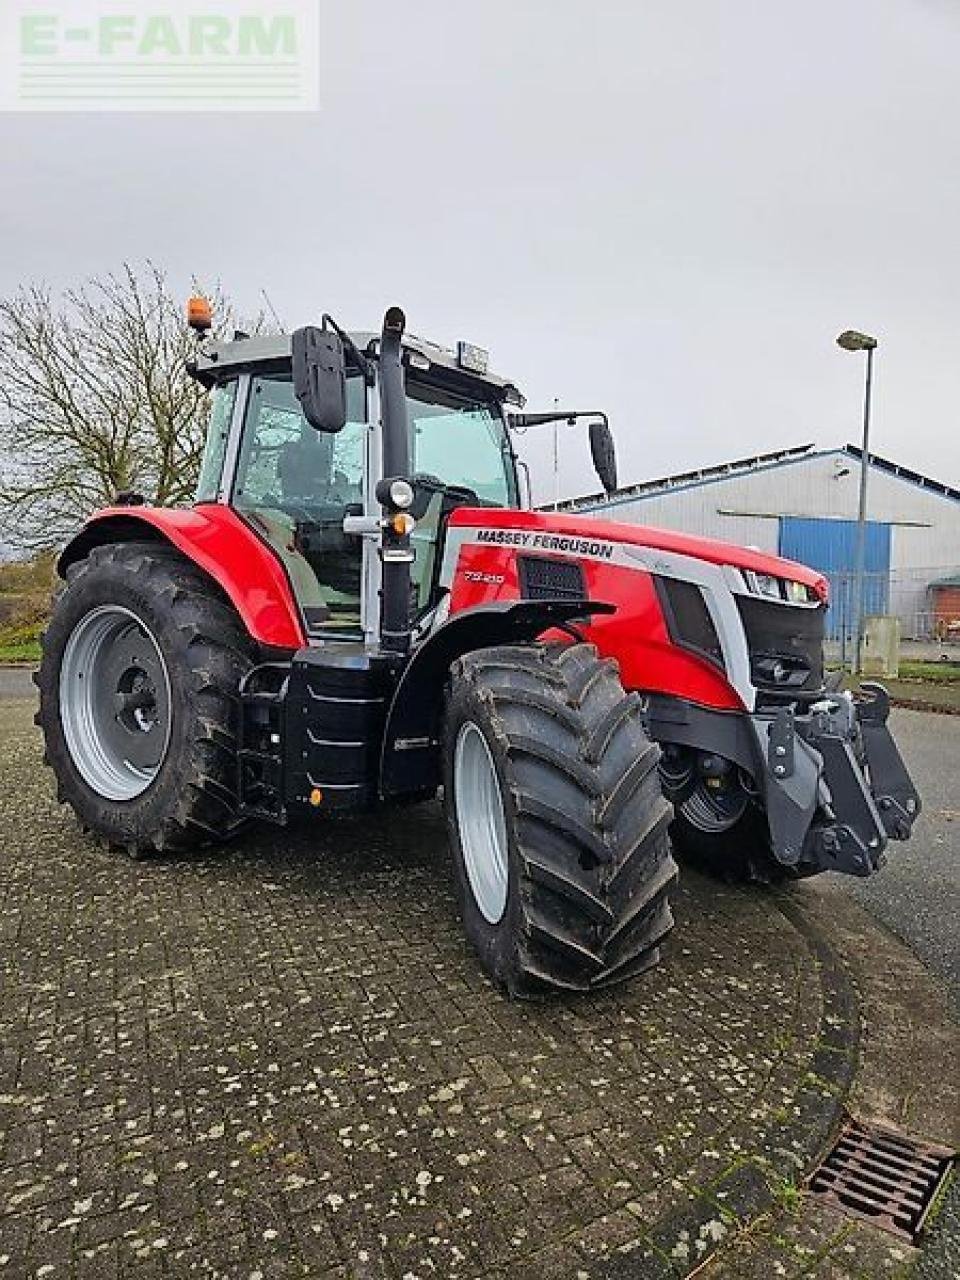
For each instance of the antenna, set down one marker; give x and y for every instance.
(556, 458)
(272, 309)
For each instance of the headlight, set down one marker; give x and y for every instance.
(774, 588)
(401, 494)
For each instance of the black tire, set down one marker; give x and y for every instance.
(739, 855)
(588, 855)
(193, 797)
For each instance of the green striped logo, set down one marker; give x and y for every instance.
(231, 56)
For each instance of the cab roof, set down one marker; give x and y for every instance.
(271, 353)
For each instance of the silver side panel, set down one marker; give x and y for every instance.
(715, 582)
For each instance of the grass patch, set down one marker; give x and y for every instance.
(20, 641)
(915, 670)
(29, 651)
(25, 590)
(27, 577)
(938, 672)
(788, 1196)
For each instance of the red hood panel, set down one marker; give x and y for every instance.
(708, 549)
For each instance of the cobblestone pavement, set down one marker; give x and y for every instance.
(281, 1059)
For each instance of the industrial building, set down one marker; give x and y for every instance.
(802, 503)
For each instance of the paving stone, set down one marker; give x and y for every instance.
(282, 1057)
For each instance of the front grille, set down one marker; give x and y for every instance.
(688, 618)
(545, 579)
(785, 644)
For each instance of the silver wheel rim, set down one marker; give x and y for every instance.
(481, 822)
(115, 702)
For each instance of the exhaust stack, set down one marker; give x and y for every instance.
(395, 611)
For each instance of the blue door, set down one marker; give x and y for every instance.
(831, 547)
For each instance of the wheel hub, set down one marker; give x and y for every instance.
(115, 702)
(136, 701)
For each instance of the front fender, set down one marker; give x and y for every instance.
(411, 744)
(214, 538)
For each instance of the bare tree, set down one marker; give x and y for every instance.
(95, 400)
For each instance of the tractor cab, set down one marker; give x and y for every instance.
(310, 492)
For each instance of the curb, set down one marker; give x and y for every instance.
(920, 704)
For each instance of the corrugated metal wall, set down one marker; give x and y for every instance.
(831, 547)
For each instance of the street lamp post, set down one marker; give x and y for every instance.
(851, 340)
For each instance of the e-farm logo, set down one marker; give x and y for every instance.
(159, 55)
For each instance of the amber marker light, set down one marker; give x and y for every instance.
(199, 314)
(402, 523)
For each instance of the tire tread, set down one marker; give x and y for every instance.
(218, 651)
(594, 895)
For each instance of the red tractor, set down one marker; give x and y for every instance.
(362, 609)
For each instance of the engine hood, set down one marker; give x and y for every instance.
(571, 531)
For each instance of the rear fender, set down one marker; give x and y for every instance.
(411, 743)
(217, 541)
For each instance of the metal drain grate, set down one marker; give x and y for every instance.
(883, 1177)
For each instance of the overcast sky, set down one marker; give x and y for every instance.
(664, 209)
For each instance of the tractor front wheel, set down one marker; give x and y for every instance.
(557, 823)
(139, 699)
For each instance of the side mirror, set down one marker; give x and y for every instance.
(604, 454)
(320, 377)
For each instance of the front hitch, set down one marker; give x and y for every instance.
(835, 786)
(897, 797)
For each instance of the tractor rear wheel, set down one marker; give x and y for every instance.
(557, 823)
(139, 685)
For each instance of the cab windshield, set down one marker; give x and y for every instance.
(462, 444)
(459, 456)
